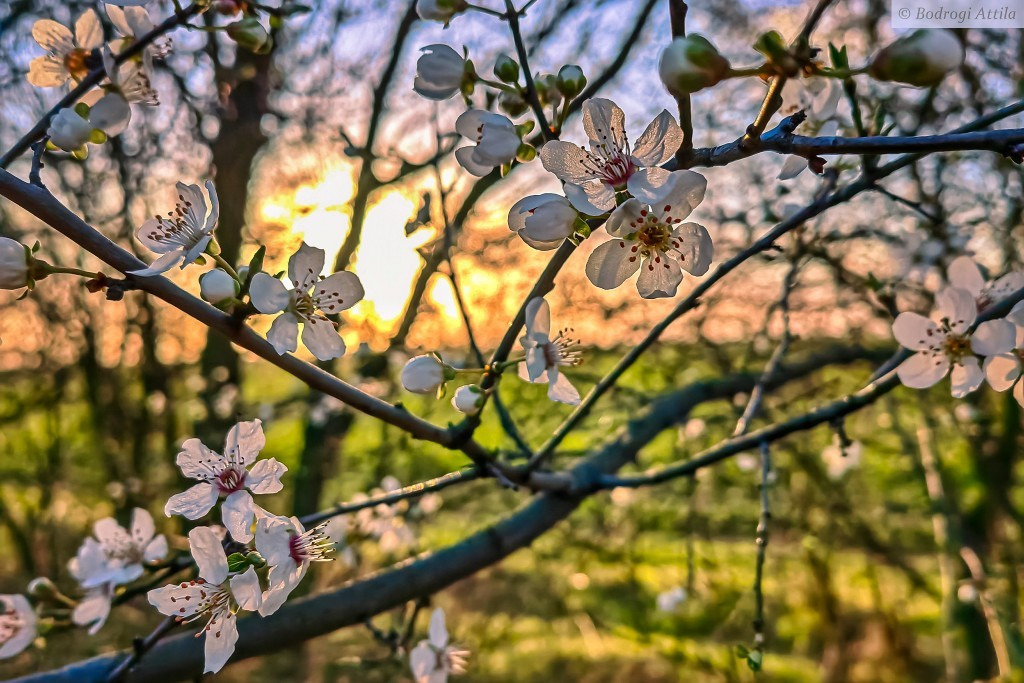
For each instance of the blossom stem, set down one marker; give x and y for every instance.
(761, 70)
(71, 271)
(485, 10)
(496, 85)
(227, 267)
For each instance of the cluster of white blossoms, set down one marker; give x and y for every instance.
(951, 342)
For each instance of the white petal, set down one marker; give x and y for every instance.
(284, 333)
(338, 292)
(265, 476)
(221, 636)
(660, 276)
(26, 633)
(156, 549)
(1018, 392)
(915, 332)
(994, 337)
(273, 540)
(109, 532)
(1016, 314)
(422, 662)
(966, 377)
(465, 157)
(438, 631)
(561, 389)
(245, 587)
(193, 503)
(161, 265)
(592, 198)
(305, 266)
(1002, 371)
(282, 580)
(92, 611)
(958, 306)
(964, 274)
(659, 141)
(535, 367)
(88, 31)
(696, 250)
(174, 600)
(53, 36)
(214, 215)
(208, 552)
(244, 442)
(111, 114)
(143, 527)
(237, 515)
(648, 184)
(268, 294)
(47, 72)
(567, 161)
(604, 123)
(792, 167)
(538, 317)
(626, 218)
(196, 461)
(923, 370)
(611, 264)
(322, 339)
(681, 194)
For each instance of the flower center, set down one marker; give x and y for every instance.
(177, 227)
(10, 623)
(77, 63)
(560, 350)
(956, 347)
(617, 170)
(313, 546)
(231, 479)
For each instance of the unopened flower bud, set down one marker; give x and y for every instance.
(440, 72)
(440, 10)
(571, 81)
(468, 399)
(425, 374)
(922, 58)
(68, 130)
(217, 285)
(43, 588)
(14, 264)
(512, 104)
(506, 69)
(250, 34)
(690, 64)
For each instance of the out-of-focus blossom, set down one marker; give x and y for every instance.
(68, 53)
(111, 104)
(922, 58)
(964, 274)
(439, 10)
(670, 600)
(818, 98)
(435, 658)
(840, 459)
(17, 625)
(691, 63)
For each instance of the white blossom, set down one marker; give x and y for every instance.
(17, 625)
(545, 356)
(217, 285)
(311, 299)
(467, 399)
(945, 342)
(593, 177)
(68, 53)
(435, 658)
(68, 130)
(439, 72)
(134, 23)
(234, 475)
(922, 58)
(424, 374)
(496, 141)
(670, 600)
(840, 459)
(1003, 370)
(964, 274)
(183, 235)
(288, 549)
(652, 238)
(14, 269)
(112, 557)
(216, 597)
(544, 221)
(818, 98)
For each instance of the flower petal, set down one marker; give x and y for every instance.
(611, 264)
(143, 527)
(282, 580)
(958, 306)
(604, 123)
(659, 141)
(567, 161)
(338, 292)
(194, 502)
(196, 461)
(538, 318)
(245, 587)
(966, 377)
(648, 184)
(923, 370)
(465, 157)
(994, 337)
(438, 631)
(560, 389)
(268, 294)
(696, 250)
(284, 333)
(625, 219)
(681, 194)
(161, 265)
(660, 276)
(792, 167)
(155, 550)
(221, 636)
(236, 512)
(208, 552)
(111, 114)
(265, 476)
(305, 266)
(322, 339)
(88, 31)
(1002, 371)
(53, 36)
(244, 442)
(92, 611)
(964, 273)
(47, 72)
(915, 332)
(592, 198)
